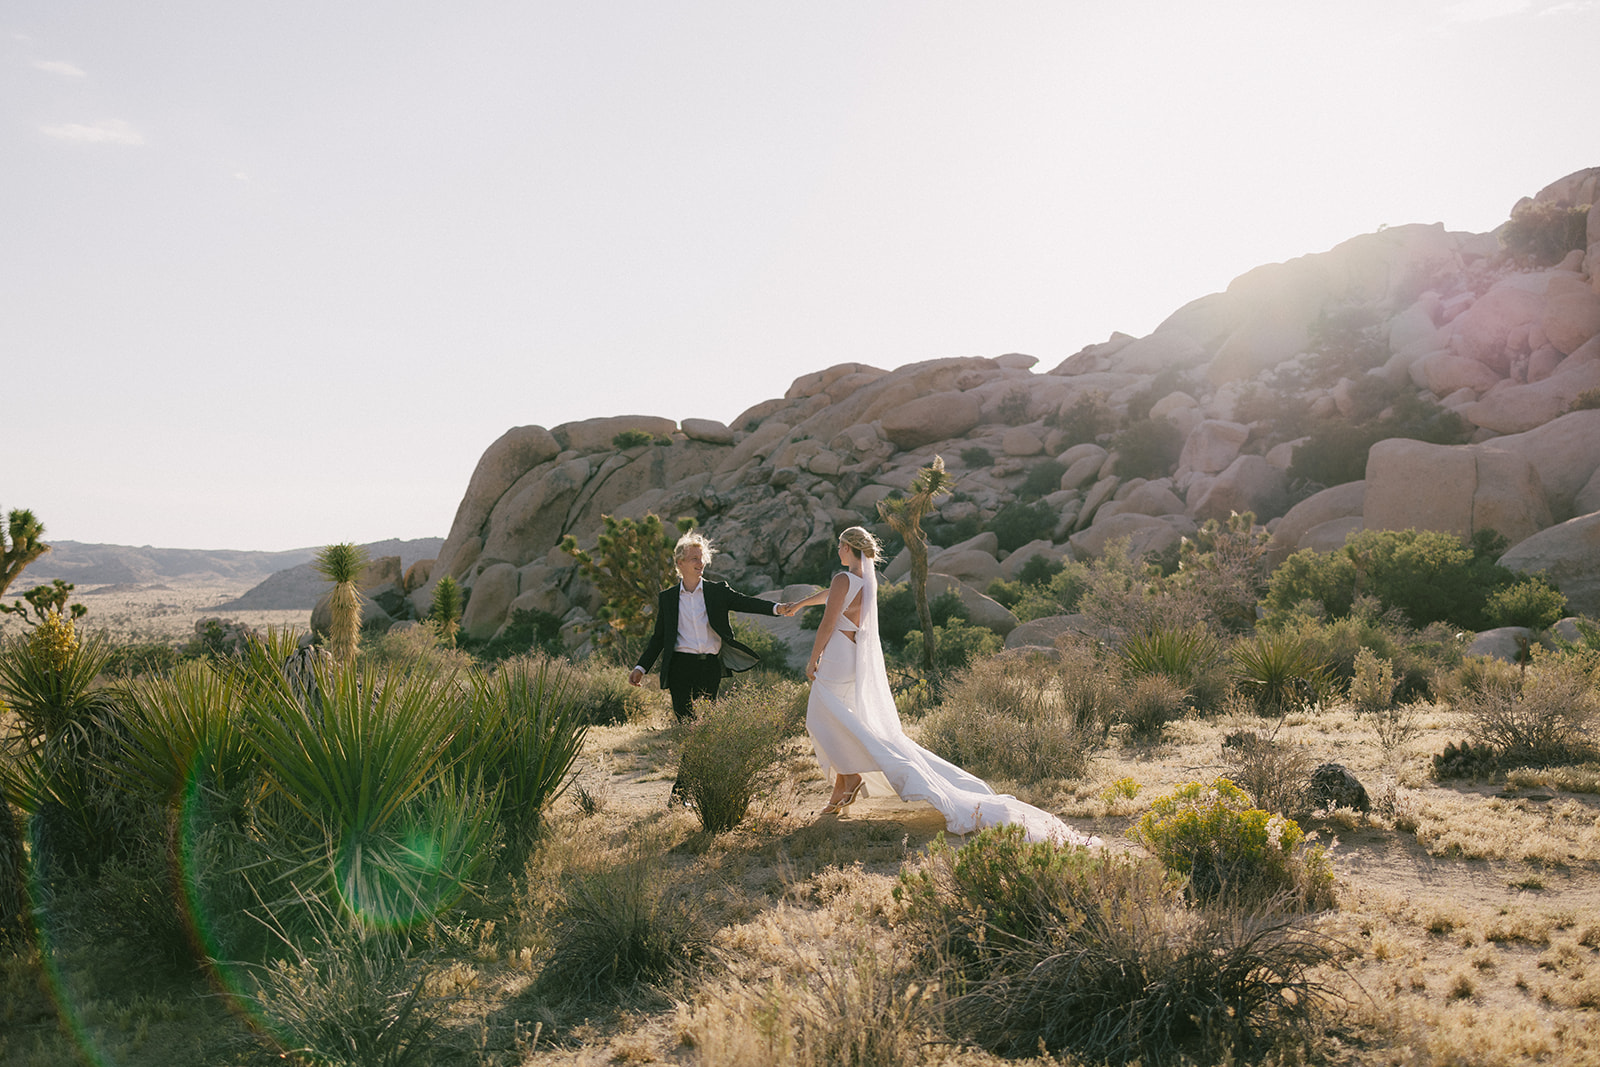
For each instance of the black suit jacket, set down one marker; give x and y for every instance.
(720, 600)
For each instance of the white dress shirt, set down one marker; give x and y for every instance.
(694, 626)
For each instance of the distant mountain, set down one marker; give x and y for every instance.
(300, 587)
(92, 565)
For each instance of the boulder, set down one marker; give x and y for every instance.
(1334, 786)
(1249, 484)
(1212, 445)
(532, 516)
(417, 575)
(1012, 565)
(1568, 554)
(1414, 484)
(982, 610)
(1157, 352)
(1509, 498)
(1338, 502)
(1021, 441)
(1571, 314)
(1084, 468)
(1442, 373)
(512, 455)
(1511, 407)
(1150, 498)
(931, 418)
(1329, 536)
(1565, 454)
(710, 431)
(1145, 534)
(1042, 631)
(489, 601)
(972, 566)
(372, 616)
(1481, 333)
(1414, 328)
(1509, 643)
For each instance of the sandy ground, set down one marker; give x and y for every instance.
(166, 611)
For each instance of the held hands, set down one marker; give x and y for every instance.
(786, 609)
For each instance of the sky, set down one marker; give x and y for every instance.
(274, 273)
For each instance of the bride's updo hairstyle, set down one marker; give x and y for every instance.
(861, 542)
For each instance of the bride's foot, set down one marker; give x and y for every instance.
(843, 796)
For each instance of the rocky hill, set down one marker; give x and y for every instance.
(1412, 377)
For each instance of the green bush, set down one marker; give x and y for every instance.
(897, 614)
(1017, 523)
(1229, 850)
(1013, 406)
(956, 644)
(1042, 479)
(1373, 683)
(631, 439)
(1083, 422)
(1543, 233)
(976, 456)
(1149, 702)
(1336, 451)
(1147, 449)
(764, 643)
(528, 630)
(133, 660)
(1532, 602)
(729, 755)
(1426, 575)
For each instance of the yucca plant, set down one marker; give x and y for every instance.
(342, 565)
(524, 730)
(373, 811)
(446, 609)
(185, 729)
(47, 677)
(1191, 656)
(1279, 671)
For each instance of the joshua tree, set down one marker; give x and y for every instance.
(634, 564)
(45, 599)
(342, 564)
(20, 544)
(446, 609)
(904, 516)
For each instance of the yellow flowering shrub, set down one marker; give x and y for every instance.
(55, 639)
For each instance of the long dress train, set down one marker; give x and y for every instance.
(855, 729)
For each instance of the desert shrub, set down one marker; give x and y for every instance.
(897, 613)
(1532, 602)
(618, 927)
(1542, 232)
(956, 645)
(1277, 776)
(1149, 702)
(1013, 720)
(1222, 571)
(1093, 955)
(1466, 760)
(1147, 448)
(1336, 449)
(1278, 672)
(1191, 657)
(773, 653)
(403, 648)
(1042, 479)
(1373, 683)
(528, 630)
(1229, 850)
(1167, 380)
(1013, 407)
(355, 997)
(1060, 595)
(133, 660)
(1417, 656)
(602, 696)
(1427, 575)
(729, 755)
(1083, 422)
(631, 439)
(1017, 523)
(1547, 720)
(975, 456)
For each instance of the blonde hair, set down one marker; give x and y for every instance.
(860, 541)
(690, 540)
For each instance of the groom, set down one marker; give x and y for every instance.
(693, 636)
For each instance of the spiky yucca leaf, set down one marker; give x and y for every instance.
(49, 684)
(1279, 670)
(187, 728)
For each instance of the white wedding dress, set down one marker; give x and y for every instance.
(856, 729)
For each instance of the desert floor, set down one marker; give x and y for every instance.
(165, 611)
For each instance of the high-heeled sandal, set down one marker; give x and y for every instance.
(836, 807)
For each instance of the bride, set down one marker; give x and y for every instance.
(855, 727)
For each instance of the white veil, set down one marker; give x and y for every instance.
(874, 700)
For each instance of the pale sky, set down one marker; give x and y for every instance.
(274, 274)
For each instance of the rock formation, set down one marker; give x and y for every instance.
(1499, 356)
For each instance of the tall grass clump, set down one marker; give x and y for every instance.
(729, 756)
(1018, 720)
(524, 731)
(618, 927)
(601, 696)
(1230, 851)
(1096, 956)
(1191, 656)
(1277, 776)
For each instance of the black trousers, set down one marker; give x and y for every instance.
(694, 675)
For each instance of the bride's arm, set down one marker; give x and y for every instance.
(795, 605)
(836, 593)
